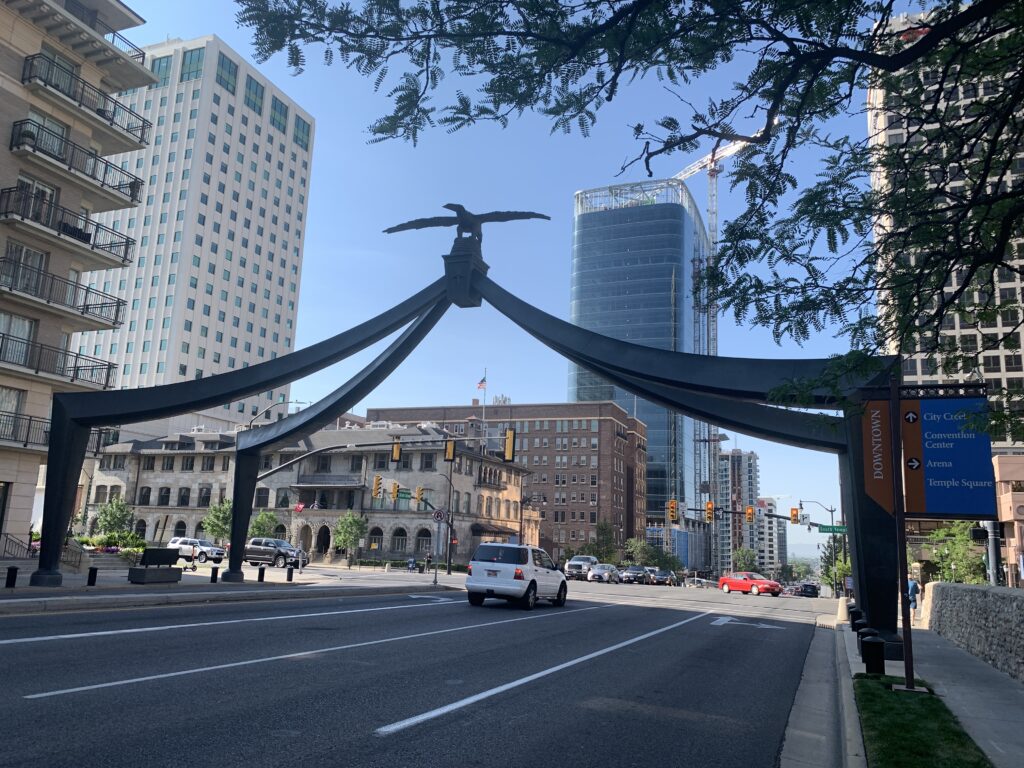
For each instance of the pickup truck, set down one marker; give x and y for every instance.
(276, 552)
(579, 567)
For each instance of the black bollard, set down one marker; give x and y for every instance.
(291, 570)
(862, 635)
(855, 615)
(263, 572)
(93, 573)
(859, 624)
(12, 576)
(213, 574)
(873, 654)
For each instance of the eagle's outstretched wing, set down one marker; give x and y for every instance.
(509, 216)
(433, 221)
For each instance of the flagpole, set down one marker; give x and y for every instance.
(485, 411)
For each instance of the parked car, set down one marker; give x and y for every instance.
(635, 574)
(695, 581)
(514, 572)
(579, 567)
(808, 590)
(204, 549)
(792, 589)
(652, 572)
(276, 552)
(605, 572)
(666, 578)
(747, 581)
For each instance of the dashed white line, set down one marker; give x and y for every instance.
(409, 722)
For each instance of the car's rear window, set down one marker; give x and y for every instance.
(488, 553)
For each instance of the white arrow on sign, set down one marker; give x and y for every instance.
(910, 418)
(913, 463)
(721, 621)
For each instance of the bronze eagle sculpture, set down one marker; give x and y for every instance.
(467, 223)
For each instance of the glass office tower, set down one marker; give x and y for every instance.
(635, 247)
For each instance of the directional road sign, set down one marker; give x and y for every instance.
(947, 462)
(404, 493)
(831, 529)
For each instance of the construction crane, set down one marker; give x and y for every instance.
(705, 326)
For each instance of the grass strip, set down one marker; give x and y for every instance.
(911, 730)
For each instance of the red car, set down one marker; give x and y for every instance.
(747, 581)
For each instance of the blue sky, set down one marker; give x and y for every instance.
(352, 271)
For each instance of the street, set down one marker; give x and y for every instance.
(621, 676)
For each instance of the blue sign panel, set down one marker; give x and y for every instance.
(947, 468)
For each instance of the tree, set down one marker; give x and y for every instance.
(832, 560)
(115, 516)
(348, 530)
(263, 524)
(604, 548)
(744, 559)
(638, 551)
(217, 522)
(956, 555)
(931, 239)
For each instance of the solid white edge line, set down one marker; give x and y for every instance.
(298, 655)
(387, 730)
(165, 627)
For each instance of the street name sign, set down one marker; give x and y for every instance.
(404, 493)
(947, 463)
(831, 529)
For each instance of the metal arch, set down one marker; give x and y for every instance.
(252, 442)
(732, 377)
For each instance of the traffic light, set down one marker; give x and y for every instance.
(509, 452)
(749, 512)
(673, 510)
(709, 511)
(396, 452)
(377, 489)
(449, 450)
(394, 491)
(794, 515)
(419, 494)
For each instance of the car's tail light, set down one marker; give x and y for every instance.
(469, 570)
(518, 576)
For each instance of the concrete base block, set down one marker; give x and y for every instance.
(46, 579)
(154, 575)
(236, 577)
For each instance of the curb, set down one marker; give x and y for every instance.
(853, 741)
(51, 605)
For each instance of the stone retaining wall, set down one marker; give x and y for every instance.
(986, 621)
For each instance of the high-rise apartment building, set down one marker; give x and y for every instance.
(635, 247)
(63, 64)
(770, 538)
(586, 462)
(739, 485)
(215, 286)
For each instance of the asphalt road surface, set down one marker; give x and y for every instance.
(623, 675)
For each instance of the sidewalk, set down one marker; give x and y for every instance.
(988, 703)
(112, 589)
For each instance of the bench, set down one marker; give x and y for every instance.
(158, 557)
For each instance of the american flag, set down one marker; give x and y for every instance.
(482, 384)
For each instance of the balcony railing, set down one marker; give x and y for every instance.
(35, 431)
(56, 290)
(30, 134)
(46, 70)
(352, 480)
(53, 360)
(67, 223)
(90, 18)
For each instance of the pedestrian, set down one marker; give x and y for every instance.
(412, 564)
(913, 590)
(430, 561)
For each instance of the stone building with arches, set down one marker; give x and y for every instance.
(170, 482)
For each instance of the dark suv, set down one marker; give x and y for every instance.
(808, 590)
(276, 552)
(635, 574)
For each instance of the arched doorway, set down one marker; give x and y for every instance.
(180, 529)
(140, 528)
(375, 543)
(399, 540)
(323, 540)
(423, 541)
(280, 532)
(306, 538)
(200, 530)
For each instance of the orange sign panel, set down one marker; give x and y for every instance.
(878, 463)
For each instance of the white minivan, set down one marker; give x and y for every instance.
(514, 572)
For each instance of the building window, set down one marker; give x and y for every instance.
(254, 94)
(163, 497)
(301, 133)
(399, 540)
(262, 498)
(323, 464)
(167, 464)
(204, 496)
(188, 463)
(192, 64)
(427, 462)
(162, 69)
(208, 463)
(183, 496)
(380, 461)
(144, 496)
(278, 114)
(148, 463)
(227, 73)
(356, 463)
(101, 494)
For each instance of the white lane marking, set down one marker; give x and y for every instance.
(165, 627)
(401, 725)
(722, 621)
(435, 598)
(300, 654)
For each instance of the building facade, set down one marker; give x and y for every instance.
(62, 63)
(172, 481)
(739, 486)
(635, 247)
(1009, 473)
(769, 535)
(221, 229)
(586, 462)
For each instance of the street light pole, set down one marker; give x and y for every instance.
(832, 521)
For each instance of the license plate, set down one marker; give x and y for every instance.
(492, 573)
